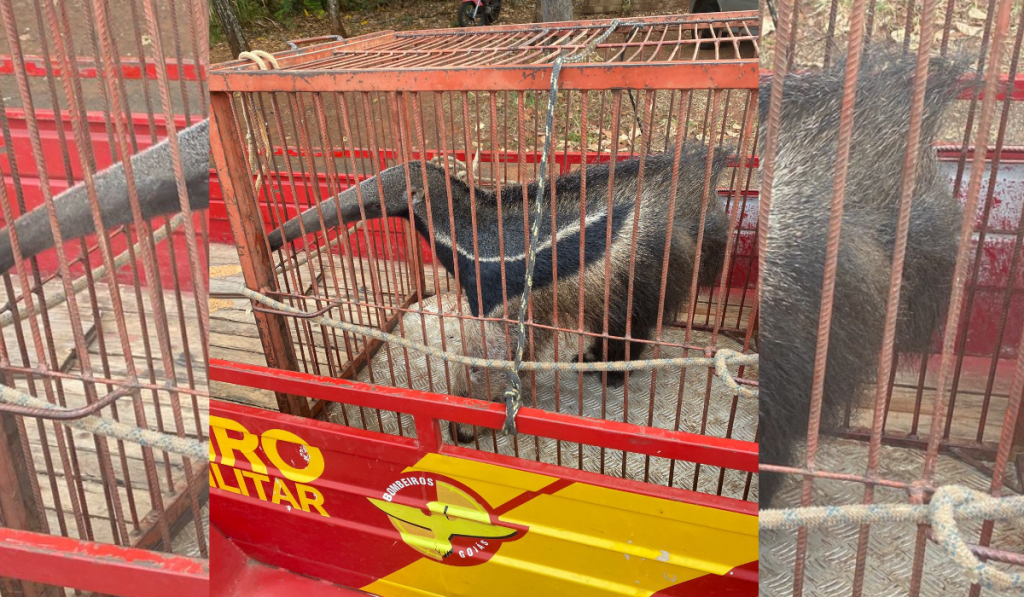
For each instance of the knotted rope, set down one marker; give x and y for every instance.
(97, 425)
(949, 504)
(265, 61)
(721, 360)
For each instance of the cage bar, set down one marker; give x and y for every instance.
(329, 116)
(112, 323)
(952, 414)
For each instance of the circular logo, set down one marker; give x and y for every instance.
(444, 520)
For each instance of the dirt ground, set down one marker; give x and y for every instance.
(130, 36)
(967, 20)
(396, 15)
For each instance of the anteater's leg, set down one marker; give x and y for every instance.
(616, 349)
(462, 432)
(644, 316)
(483, 384)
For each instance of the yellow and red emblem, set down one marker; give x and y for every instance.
(553, 536)
(438, 525)
(455, 524)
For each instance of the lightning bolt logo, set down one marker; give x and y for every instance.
(454, 514)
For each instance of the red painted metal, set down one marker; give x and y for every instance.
(582, 476)
(94, 505)
(131, 69)
(237, 575)
(101, 142)
(695, 75)
(736, 583)
(354, 546)
(99, 567)
(504, 58)
(249, 237)
(351, 547)
(729, 453)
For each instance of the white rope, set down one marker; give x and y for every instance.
(951, 503)
(265, 61)
(98, 425)
(720, 361)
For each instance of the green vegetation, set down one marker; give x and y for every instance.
(283, 11)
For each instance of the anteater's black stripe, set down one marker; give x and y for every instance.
(515, 270)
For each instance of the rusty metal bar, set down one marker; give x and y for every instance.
(18, 508)
(250, 239)
(1002, 25)
(88, 345)
(388, 123)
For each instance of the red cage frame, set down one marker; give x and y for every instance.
(63, 561)
(428, 410)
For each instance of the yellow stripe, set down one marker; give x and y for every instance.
(720, 520)
(495, 484)
(583, 580)
(702, 565)
(581, 541)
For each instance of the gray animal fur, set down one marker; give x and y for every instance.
(157, 192)
(798, 226)
(488, 299)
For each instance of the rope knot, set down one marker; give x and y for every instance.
(949, 504)
(953, 501)
(513, 402)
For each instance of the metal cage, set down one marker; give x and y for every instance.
(330, 115)
(951, 415)
(112, 324)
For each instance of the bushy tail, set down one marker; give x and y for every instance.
(794, 267)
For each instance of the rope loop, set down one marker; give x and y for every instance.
(949, 504)
(951, 501)
(264, 61)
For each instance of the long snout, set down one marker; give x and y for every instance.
(347, 204)
(155, 185)
(326, 214)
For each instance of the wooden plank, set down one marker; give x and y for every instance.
(964, 427)
(247, 229)
(17, 504)
(177, 513)
(92, 497)
(248, 396)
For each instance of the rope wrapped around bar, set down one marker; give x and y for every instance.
(721, 360)
(95, 424)
(949, 504)
(513, 395)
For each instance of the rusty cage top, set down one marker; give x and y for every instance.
(516, 57)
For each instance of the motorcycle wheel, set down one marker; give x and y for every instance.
(466, 19)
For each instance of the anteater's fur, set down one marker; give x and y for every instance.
(798, 226)
(154, 182)
(485, 296)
